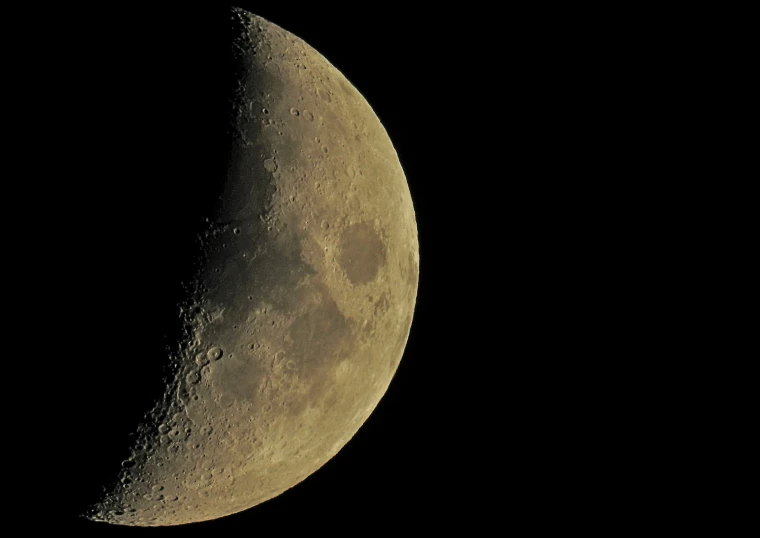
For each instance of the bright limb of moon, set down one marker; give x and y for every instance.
(301, 308)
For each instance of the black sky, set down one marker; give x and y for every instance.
(485, 112)
(127, 105)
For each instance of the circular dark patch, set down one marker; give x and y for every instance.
(362, 253)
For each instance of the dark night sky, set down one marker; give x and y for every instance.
(535, 393)
(406, 462)
(486, 114)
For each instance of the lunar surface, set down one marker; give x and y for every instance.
(301, 305)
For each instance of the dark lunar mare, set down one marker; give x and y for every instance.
(147, 96)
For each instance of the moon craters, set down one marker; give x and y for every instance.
(299, 313)
(270, 165)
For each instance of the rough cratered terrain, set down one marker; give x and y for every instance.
(302, 303)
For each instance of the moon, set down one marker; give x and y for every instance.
(299, 311)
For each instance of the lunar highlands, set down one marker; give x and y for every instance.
(301, 302)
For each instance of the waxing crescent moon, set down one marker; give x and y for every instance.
(298, 315)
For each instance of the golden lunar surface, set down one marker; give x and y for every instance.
(299, 315)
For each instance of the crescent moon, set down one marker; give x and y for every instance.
(300, 310)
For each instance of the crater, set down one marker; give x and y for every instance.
(362, 253)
